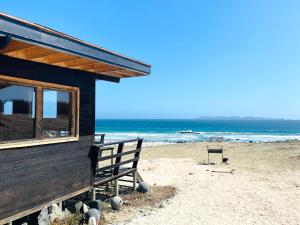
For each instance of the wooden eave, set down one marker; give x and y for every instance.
(25, 40)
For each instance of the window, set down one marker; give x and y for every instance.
(39, 111)
(16, 112)
(56, 113)
(8, 108)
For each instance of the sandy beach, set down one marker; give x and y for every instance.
(264, 187)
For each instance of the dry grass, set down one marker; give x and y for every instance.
(132, 201)
(156, 196)
(73, 219)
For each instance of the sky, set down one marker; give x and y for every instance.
(209, 58)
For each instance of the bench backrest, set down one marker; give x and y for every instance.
(99, 138)
(109, 158)
(216, 139)
(214, 148)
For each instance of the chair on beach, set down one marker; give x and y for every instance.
(215, 148)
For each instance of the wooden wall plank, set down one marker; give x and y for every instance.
(32, 176)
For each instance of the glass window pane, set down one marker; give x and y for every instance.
(8, 108)
(16, 112)
(50, 104)
(56, 113)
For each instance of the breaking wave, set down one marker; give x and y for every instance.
(177, 137)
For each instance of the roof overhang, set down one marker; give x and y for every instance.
(30, 41)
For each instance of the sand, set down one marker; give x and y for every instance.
(263, 189)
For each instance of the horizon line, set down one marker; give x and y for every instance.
(208, 119)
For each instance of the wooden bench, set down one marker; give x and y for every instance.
(214, 150)
(120, 162)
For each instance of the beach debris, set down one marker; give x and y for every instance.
(116, 202)
(55, 212)
(205, 163)
(92, 213)
(92, 221)
(78, 206)
(43, 218)
(190, 173)
(95, 204)
(81, 207)
(224, 171)
(143, 187)
(84, 208)
(67, 212)
(162, 205)
(225, 160)
(202, 163)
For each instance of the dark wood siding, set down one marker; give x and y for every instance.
(33, 176)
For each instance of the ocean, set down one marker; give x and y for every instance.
(168, 131)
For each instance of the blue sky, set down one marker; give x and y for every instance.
(209, 57)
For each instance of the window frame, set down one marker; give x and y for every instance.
(38, 137)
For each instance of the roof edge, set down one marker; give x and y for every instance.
(32, 32)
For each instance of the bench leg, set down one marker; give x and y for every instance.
(208, 158)
(107, 187)
(93, 194)
(116, 187)
(134, 180)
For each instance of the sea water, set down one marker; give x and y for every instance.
(168, 131)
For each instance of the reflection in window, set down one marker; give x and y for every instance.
(8, 108)
(16, 112)
(56, 113)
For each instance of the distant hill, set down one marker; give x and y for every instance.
(234, 118)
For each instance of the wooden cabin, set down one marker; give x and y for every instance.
(47, 113)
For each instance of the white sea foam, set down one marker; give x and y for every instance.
(167, 138)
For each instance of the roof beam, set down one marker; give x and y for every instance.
(127, 72)
(30, 52)
(108, 78)
(14, 46)
(116, 74)
(73, 62)
(23, 69)
(97, 67)
(55, 58)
